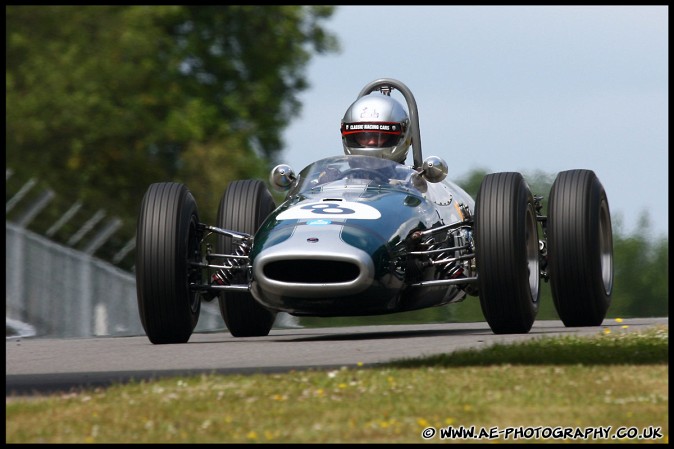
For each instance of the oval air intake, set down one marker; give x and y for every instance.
(311, 271)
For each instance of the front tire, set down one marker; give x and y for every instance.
(167, 239)
(580, 248)
(506, 241)
(244, 207)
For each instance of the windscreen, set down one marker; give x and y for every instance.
(344, 172)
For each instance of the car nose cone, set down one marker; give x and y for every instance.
(313, 262)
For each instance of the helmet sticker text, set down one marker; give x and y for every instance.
(371, 126)
(369, 113)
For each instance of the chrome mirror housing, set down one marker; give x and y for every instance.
(282, 177)
(434, 169)
(419, 182)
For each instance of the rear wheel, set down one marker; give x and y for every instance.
(506, 241)
(244, 207)
(580, 248)
(167, 239)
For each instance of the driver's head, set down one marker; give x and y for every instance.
(376, 125)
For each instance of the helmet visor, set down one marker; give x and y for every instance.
(372, 135)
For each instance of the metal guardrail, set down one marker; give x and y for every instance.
(57, 291)
(63, 293)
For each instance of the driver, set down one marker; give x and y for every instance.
(376, 125)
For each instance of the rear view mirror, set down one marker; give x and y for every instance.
(434, 169)
(282, 177)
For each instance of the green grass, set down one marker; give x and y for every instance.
(617, 379)
(618, 348)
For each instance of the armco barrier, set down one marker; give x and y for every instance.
(65, 293)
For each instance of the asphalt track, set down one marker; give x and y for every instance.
(38, 366)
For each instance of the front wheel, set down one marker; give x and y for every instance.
(167, 239)
(506, 244)
(580, 248)
(244, 207)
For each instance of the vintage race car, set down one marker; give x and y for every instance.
(358, 235)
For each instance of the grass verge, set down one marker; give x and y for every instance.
(596, 384)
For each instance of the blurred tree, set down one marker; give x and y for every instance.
(641, 267)
(101, 101)
(471, 182)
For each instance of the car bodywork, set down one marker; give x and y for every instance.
(358, 235)
(356, 246)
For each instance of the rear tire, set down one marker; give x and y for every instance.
(167, 239)
(580, 248)
(244, 207)
(506, 241)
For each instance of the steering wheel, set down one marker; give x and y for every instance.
(367, 173)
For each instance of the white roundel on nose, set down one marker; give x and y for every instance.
(330, 209)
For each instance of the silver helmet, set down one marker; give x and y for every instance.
(376, 125)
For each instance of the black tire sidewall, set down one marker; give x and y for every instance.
(167, 222)
(574, 251)
(244, 206)
(502, 204)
